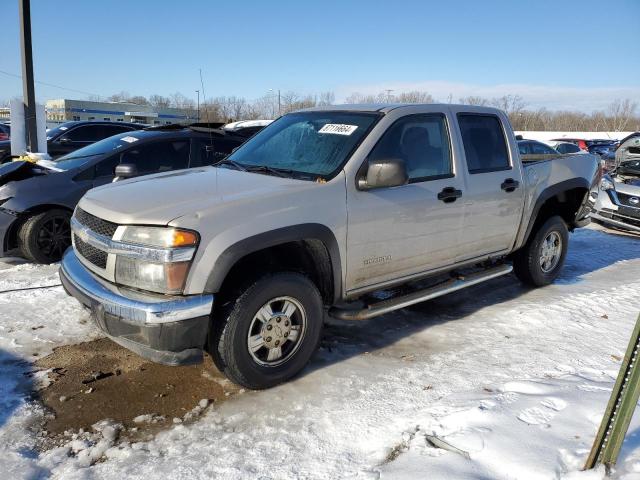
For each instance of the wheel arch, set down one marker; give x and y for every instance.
(564, 199)
(11, 237)
(311, 247)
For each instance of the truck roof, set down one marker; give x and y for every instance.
(387, 107)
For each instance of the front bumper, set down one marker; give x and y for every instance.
(609, 210)
(163, 329)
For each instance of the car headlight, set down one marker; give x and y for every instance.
(159, 260)
(606, 184)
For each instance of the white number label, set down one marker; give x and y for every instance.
(338, 129)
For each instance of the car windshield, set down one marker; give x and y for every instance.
(306, 144)
(83, 155)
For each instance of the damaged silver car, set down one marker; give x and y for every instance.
(618, 199)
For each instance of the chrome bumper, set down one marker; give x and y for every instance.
(169, 330)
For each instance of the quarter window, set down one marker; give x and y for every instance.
(422, 141)
(484, 144)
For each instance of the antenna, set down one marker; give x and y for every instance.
(206, 114)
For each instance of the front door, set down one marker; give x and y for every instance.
(400, 231)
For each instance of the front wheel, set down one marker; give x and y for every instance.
(267, 334)
(539, 262)
(44, 237)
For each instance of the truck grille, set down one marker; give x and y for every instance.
(90, 253)
(95, 224)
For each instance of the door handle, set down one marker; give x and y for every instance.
(449, 194)
(509, 185)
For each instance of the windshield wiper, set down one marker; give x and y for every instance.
(236, 165)
(280, 172)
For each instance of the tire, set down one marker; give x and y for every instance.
(237, 324)
(44, 237)
(530, 266)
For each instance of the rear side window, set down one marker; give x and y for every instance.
(86, 133)
(568, 148)
(484, 144)
(422, 141)
(208, 152)
(158, 156)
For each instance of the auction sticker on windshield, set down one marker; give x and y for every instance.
(338, 129)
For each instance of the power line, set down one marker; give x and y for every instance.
(31, 288)
(9, 74)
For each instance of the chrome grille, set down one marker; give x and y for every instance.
(90, 253)
(95, 224)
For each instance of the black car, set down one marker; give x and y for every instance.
(71, 136)
(37, 199)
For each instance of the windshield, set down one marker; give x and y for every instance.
(83, 155)
(307, 143)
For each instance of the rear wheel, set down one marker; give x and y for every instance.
(267, 334)
(539, 262)
(44, 237)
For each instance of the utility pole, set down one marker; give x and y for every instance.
(279, 112)
(28, 89)
(198, 92)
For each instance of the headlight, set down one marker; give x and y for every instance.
(606, 184)
(159, 237)
(163, 266)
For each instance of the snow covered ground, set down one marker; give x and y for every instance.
(516, 378)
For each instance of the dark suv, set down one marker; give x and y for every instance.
(37, 199)
(70, 136)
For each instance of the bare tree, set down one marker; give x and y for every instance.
(178, 100)
(473, 100)
(621, 114)
(159, 101)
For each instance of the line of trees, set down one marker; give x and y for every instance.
(620, 115)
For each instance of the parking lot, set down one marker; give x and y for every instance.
(495, 365)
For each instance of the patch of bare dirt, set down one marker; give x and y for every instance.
(98, 380)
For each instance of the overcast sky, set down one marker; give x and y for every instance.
(570, 54)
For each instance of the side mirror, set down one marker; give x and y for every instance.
(125, 170)
(390, 172)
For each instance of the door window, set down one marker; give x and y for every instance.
(158, 157)
(107, 167)
(422, 141)
(484, 143)
(86, 133)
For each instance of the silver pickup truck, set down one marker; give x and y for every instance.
(317, 214)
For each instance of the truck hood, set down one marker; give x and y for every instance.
(160, 198)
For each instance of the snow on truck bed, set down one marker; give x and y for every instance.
(516, 379)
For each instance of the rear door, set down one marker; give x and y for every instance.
(494, 193)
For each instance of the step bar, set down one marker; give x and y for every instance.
(449, 286)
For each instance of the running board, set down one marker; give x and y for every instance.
(449, 286)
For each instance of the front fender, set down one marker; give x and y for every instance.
(307, 231)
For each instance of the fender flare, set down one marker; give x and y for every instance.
(551, 192)
(306, 231)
